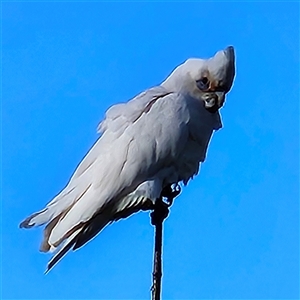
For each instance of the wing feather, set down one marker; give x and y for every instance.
(136, 156)
(132, 149)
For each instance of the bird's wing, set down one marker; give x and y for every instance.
(117, 119)
(138, 139)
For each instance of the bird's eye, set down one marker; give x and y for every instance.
(203, 83)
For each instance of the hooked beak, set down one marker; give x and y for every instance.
(214, 101)
(222, 69)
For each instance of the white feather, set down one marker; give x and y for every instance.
(160, 137)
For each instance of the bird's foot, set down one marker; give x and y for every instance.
(170, 193)
(161, 208)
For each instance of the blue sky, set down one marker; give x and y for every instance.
(234, 231)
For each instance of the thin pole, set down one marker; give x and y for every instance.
(159, 214)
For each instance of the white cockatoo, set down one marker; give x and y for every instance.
(158, 138)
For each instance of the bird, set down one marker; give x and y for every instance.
(158, 138)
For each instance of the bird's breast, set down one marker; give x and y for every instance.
(201, 126)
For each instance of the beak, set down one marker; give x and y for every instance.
(214, 101)
(222, 68)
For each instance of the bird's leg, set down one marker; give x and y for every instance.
(148, 205)
(161, 208)
(160, 212)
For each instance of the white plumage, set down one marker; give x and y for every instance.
(158, 138)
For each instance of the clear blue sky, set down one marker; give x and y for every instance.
(234, 231)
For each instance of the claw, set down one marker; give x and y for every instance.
(171, 193)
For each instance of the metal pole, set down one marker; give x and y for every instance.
(159, 214)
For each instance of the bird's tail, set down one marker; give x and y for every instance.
(76, 237)
(130, 204)
(54, 208)
(54, 212)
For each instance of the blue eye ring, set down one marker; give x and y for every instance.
(203, 83)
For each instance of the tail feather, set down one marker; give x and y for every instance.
(130, 204)
(54, 208)
(68, 244)
(78, 238)
(28, 223)
(45, 246)
(91, 229)
(74, 237)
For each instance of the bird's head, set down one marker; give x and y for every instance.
(205, 79)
